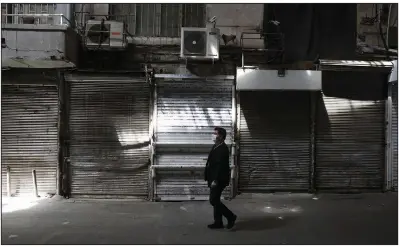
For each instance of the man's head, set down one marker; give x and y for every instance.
(219, 135)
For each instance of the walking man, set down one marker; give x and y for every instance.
(217, 174)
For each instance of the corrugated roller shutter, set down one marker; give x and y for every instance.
(187, 112)
(274, 141)
(29, 136)
(350, 144)
(109, 129)
(395, 134)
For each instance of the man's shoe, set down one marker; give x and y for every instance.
(231, 222)
(215, 226)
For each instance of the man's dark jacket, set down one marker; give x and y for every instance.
(217, 167)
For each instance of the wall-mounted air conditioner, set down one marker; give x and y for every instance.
(199, 43)
(105, 35)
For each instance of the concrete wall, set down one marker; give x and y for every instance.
(233, 19)
(33, 41)
(41, 41)
(92, 9)
(100, 9)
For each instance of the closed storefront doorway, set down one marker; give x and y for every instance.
(109, 136)
(275, 141)
(351, 126)
(350, 144)
(187, 112)
(29, 136)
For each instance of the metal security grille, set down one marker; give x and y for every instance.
(43, 9)
(4, 12)
(350, 144)
(274, 141)
(159, 20)
(109, 131)
(187, 112)
(395, 135)
(29, 136)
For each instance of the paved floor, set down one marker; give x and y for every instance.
(263, 219)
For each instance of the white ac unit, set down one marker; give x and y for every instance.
(105, 35)
(199, 43)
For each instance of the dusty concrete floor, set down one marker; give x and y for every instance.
(263, 219)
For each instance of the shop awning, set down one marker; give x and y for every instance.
(16, 63)
(355, 65)
(254, 79)
(394, 74)
(354, 79)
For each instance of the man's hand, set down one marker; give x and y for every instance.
(213, 184)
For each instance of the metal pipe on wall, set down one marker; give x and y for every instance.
(233, 147)
(35, 192)
(234, 110)
(8, 181)
(65, 176)
(313, 109)
(238, 140)
(155, 115)
(151, 136)
(388, 141)
(60, 134)
(154, 135)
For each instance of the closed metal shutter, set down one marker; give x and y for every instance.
(29, 136)
(350, 144)
(109, 131)
(187, 112)
(395, 134)
(274, 141)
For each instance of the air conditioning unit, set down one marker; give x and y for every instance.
(105, 35)
(199, 43)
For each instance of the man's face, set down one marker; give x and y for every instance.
(215, 136)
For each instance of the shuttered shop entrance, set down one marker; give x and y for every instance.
(274, 141)
(395, 134)
(187, 112)
(29, 136)
(350, 144)
(109, 132)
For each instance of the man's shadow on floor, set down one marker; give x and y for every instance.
(263, 223)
